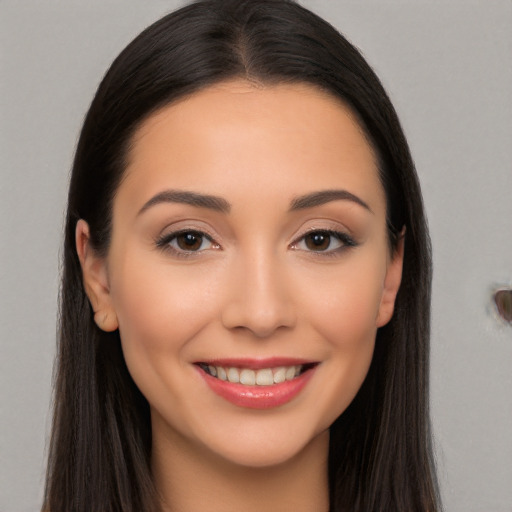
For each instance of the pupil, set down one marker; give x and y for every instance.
(189, 241)
(318, 241)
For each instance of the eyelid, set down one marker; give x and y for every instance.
(182, 225)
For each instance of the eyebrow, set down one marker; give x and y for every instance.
(219, 204)
(323, 197)
(214, 203)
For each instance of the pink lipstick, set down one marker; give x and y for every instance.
(257, 384)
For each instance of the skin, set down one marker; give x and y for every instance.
(254, 289)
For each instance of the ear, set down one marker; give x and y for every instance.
(95, 279)
(391, 283)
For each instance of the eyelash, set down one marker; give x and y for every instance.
(345, 240)
(165, 241)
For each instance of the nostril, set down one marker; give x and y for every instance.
(503, 302)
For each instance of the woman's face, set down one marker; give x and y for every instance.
(248, 243)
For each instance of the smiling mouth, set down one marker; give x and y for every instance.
(259, 377)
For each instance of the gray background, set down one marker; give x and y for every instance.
(448, 68)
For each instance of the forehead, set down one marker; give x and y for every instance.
(239, 101)
(237, 137)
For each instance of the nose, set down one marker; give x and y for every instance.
(259, 299)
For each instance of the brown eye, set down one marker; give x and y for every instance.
(189, 241)
(183, 242)
(318, 241)
(324, 241)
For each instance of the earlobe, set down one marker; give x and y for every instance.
(391, 283)
(95, 279)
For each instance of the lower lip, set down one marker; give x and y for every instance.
(258, 397)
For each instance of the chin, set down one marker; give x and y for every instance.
(265, 448)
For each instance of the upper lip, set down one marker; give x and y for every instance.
(256, 363)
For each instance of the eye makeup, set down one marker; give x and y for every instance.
(321, 242)
(186, 242)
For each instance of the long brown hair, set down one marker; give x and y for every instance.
(380, 451)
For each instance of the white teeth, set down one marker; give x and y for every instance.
(247, 377)
(233, 375)
(290, 373)
(264, 377)
(280, 375)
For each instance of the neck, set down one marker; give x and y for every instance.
(189, 479)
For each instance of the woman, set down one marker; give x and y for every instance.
(246, 288)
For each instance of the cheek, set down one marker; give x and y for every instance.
(347, 323)
(159, 310)
(343, 313)
(346, 302)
